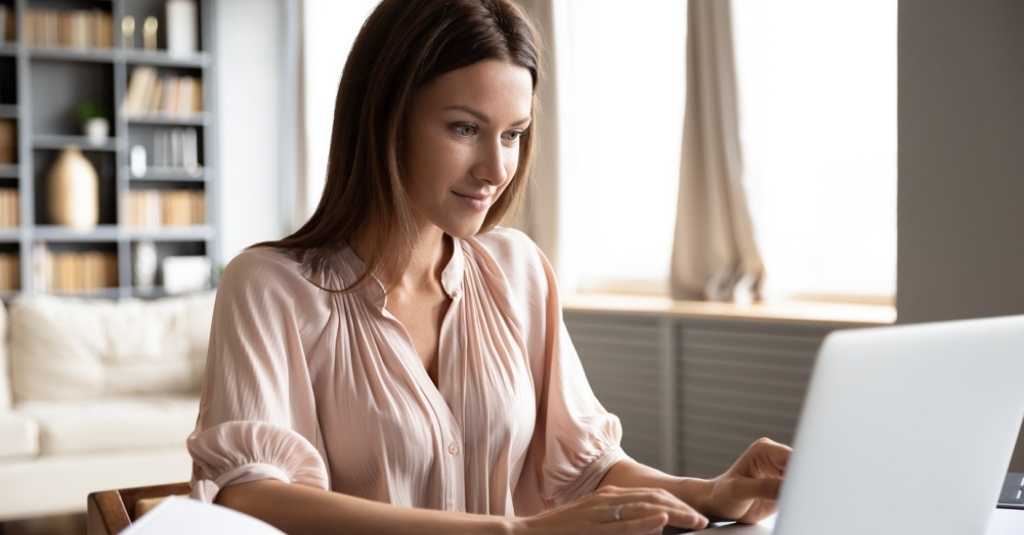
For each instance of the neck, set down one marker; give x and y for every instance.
(429, 255)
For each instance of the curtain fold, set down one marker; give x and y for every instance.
(714, 256)
(538, 214)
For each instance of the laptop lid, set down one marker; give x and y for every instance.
(906, 429)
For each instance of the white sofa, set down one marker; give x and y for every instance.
(96, 395)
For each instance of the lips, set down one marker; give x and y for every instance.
(474, 196)
(477, 202)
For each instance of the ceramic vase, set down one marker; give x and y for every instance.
(145, 265)
(73, 190)
(96, 130)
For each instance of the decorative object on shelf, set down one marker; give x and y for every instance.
(149, 29)
(182, 27)
(137, 161)
(7, 144)
(145, 264)
(73, 190)
(183, 274)
(94, 122)
(128, 31)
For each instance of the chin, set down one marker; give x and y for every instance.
(463, 229)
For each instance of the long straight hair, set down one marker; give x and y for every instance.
(402, 46)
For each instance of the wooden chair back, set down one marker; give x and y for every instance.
(112, 511)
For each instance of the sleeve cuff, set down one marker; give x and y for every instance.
(589, 478)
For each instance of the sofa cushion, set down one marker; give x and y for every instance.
(72, 349)
(112, 424)
(19, 436)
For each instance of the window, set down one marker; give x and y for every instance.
(621, 97)
(328, 30)
(817, 85)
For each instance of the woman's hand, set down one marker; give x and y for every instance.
(748, 491)
(614, 510)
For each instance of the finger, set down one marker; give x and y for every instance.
(637, 526)
(648, 495)
(760, 511)
(777, 454)
(633, 499)
(749, 488)
(681, 519)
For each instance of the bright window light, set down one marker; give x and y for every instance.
(817, 83)
(621, 93)
(329, 29)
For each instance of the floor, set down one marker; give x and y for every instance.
(56, 525)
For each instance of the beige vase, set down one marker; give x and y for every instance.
(73, 190)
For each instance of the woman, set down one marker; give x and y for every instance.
(399, 364)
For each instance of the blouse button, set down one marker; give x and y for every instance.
(453, 448)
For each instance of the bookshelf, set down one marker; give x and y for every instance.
(46, 72)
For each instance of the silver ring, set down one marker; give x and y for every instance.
(617, 512)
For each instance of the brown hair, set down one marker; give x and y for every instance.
(402, 46)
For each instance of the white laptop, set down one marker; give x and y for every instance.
(906, 430)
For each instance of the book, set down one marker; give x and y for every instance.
(81, 28)
(8, 146)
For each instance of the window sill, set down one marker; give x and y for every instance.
(789, 312)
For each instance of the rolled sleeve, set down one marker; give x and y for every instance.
(257, 417)
(239, 452)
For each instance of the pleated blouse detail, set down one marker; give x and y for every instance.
(326, 389)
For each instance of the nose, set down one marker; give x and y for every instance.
(493, 163)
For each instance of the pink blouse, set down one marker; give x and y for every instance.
(327, 390)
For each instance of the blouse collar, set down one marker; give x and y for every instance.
(373, 289)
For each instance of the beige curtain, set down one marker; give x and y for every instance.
(714, 256)
(538, 215)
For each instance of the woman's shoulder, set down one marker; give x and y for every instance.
(508, 242)
(264, 267)
(517, 256)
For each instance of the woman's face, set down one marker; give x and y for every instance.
(462, 143)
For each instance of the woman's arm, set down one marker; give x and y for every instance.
(630, 474)
(747, 491)
(302, 509)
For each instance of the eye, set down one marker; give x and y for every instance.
(464, 129)
(515, 135)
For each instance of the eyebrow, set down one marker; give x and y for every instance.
(483, 117)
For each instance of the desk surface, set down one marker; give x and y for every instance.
(1003, 522)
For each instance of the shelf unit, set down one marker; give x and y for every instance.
(47, 84)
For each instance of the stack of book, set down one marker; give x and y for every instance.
(8, 147)
(8, 207)
(72, 29)
(154, 208)
(73, 271)
(10, 272)
(176, 149)
(149, 94)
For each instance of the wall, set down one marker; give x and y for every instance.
(249, 48)
(961, 161)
